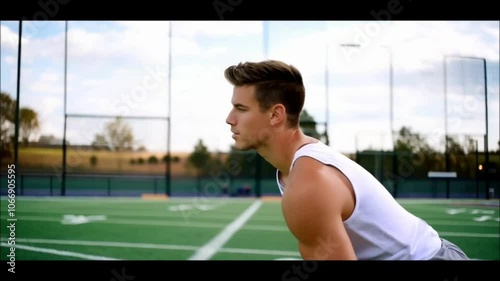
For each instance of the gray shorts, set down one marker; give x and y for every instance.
(449, 251)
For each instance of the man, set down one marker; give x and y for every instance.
(334, 208)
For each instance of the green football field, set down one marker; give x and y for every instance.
(104, 228)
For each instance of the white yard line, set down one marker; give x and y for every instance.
(127, 199)
(150, 246)
(57, 252)
(246, 227)
(127, 222)
(160, 214)
(476, 235)
(106, 244)
(214, 245)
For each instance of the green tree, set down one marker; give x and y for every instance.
(199, 160)
(419, 156)
(7, 111)
(99, 141)
(242, 163)
(308, 125)
(462, 156)
(118, 135)
(28, 123)
(409, 141)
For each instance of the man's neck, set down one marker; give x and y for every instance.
(280, 152)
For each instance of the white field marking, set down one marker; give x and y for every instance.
(120, 213)
(106, 244)
(215, 225)
(475, 235)
(80, 219)
(209, 249)
(259, 252)
(162, 223)
(486, 218)
(444, 201)
(117, 199)
(455, 211)
(265, 227)
(57, 252)
(479, 211)
(128, 222)
(152, 246)
(439, 209)
(462, 223)
(162, 213)
(187, 207)
(460, 218)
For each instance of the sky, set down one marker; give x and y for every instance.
(122, 68)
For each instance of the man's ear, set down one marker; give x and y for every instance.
(278, 114)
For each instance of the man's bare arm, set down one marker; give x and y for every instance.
(312, 207)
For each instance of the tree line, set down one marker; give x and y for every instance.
(28, 123)
(118, 136)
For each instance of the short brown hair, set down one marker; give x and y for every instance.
(275, 82)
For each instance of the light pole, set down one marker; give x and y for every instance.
(391, 109)
(265, 38)
(63, 182)
(391, 117)
(327, 75)
(351, 45)
(486, 149)
(168, 180)
(391, 95)
(446, 154)
(391, 83)
(18, 90)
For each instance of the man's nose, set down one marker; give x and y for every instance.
(229, 119)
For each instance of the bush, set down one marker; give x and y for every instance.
(93, 160)
(152, 160)
(175, 159)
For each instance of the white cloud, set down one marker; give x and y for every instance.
(416, 46)
(217, 29)
(10, 60)
(48, 81)
(107, 68)
(50, 105)
(9, 39)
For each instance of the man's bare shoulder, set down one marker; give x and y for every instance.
(309, 178)
(308, 168)
(321, 183)
(313, 208)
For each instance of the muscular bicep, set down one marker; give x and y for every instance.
(312, 207)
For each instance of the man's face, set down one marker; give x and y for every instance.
(249, 125)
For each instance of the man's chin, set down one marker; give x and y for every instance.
(243, 147)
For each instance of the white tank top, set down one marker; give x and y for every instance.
(379, 228)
